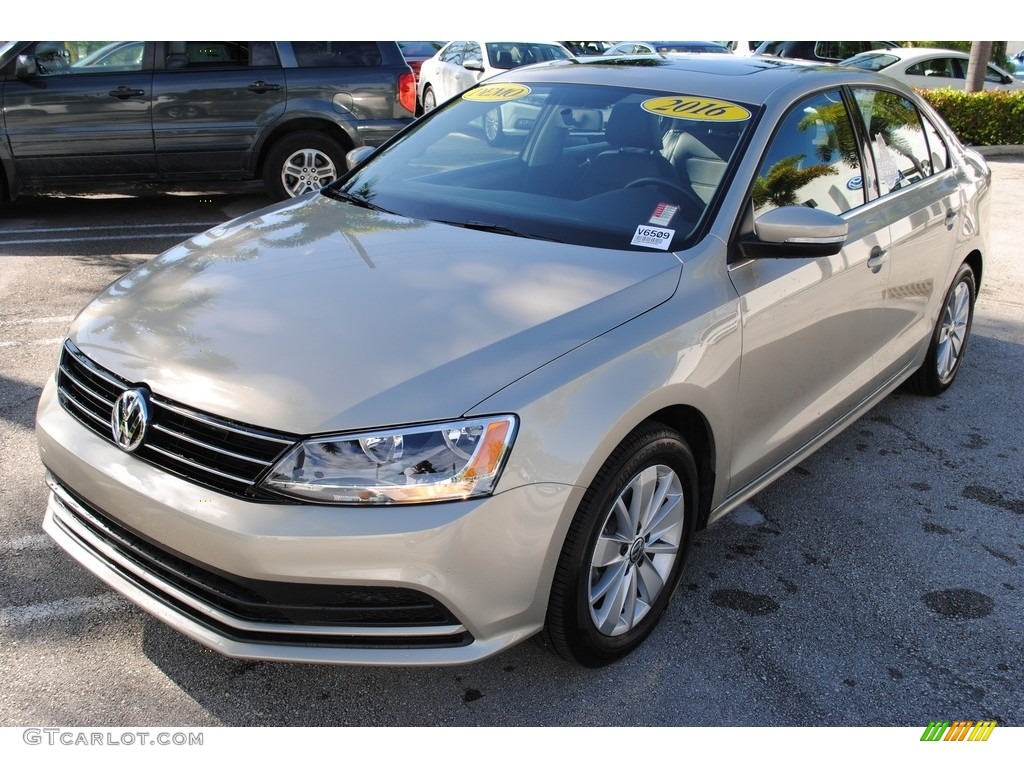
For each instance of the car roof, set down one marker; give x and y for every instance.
(752, 80)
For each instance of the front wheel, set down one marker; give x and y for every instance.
(949, 339)
(494, 131)
(624, 553)
(302, 162)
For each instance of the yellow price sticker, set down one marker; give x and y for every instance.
(497, 92)
(696, 108)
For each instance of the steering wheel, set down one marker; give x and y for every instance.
(658, 181)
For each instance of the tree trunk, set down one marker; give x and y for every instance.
(976, 65)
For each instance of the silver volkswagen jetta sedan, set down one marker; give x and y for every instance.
(472, 392)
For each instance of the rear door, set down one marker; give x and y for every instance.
(211, 100)
(82, 116)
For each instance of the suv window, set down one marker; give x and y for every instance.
(812, 160)
(55, 57)
(345, 53)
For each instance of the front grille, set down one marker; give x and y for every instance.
(252, 610)
(225, 455)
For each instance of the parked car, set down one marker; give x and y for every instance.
(418, 51)
(828, 51)
(931, 68)
(741, 47)
(95, 114)
(636, 47)
(470, 393)
(463, 63)
(586, 47)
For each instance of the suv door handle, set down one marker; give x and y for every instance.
(950, 218)
(124, 92)
(262, 87)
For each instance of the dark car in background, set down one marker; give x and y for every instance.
(92, 114)
(829, 51)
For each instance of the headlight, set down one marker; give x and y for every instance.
(404, 465)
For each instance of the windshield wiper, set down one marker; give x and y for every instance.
(481, 226)
(348, 197)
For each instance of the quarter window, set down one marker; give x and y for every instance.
(337, 54)
(812, 160)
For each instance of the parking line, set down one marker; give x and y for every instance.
(23, 615)
(37, 241)
(36, 343)
(31, 320)
(23, 543)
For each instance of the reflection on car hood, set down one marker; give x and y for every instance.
(316, 315)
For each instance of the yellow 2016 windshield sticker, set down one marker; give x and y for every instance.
(696, 108)
(497, 92)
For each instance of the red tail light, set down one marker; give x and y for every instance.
(407, 91)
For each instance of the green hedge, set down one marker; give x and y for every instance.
(983, 118)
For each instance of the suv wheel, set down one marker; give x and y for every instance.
(302, 162)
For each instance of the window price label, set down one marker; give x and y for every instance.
(653, 237)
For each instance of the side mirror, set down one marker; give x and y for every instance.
(795, 232)
(355, 156)
(25, 67)
(474, 65)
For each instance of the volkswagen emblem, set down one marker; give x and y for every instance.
(130, 419)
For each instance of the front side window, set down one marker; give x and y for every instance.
(897, 138)
(595, 165)
(812, 160)
(82, 58)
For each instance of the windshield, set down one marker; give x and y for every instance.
(592, 165)
(511, 55)
(874, 62)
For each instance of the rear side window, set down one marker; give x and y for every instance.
(898, 139)
(220, 54)
(337, 54)
(812, 160)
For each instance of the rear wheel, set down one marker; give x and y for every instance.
(429, 100)
(302, 162)
(624, 553)
(949, 339)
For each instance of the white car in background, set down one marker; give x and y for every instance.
(463, 63)
(930, 68)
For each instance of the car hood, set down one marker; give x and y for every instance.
(315, 315)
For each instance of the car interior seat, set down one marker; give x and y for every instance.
(701, 163)
(635, 152)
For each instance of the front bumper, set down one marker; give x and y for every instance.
(431, 584)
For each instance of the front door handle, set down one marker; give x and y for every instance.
(124, 92)
(877, 259)
(950, 218)
(262, 87)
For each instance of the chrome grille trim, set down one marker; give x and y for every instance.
(227, 456)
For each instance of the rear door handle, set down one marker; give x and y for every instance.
(262, 87)
(877, 259)
(124, 92)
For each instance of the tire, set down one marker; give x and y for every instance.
(302, 162)
(429, 100)
(949, 339)
(621, 563)
(494, 132)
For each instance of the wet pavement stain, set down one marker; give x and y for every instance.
(975, 441)
(748, 602)
(994, 498)
(959, 603)
(921, 487)
(935, 528)
(1001, 555)
(471, 694)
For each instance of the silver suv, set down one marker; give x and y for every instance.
(100, 113)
